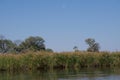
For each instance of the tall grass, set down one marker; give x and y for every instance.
(45, 60)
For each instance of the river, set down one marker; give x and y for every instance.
(78, 74)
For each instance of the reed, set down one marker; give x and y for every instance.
(47, 60)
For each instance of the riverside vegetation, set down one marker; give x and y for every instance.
(63, 60)
(31, 54)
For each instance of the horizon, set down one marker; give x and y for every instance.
(63, 24)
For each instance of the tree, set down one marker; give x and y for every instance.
(75, 48)
(93, 46)
(17, 47)
(6, 46)
(33, 43)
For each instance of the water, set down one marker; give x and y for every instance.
(81, 74)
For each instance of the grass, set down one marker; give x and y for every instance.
(63, 60)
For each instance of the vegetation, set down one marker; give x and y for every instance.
(36, 43)
(30, 44)
(93, 46)
(33, 43)
(50, 60)
(34, 55)
(75, 48)
(6, 46)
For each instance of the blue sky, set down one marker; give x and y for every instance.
(63, 23)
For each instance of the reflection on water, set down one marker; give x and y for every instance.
(81, 74)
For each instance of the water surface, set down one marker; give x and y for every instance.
(78, 74)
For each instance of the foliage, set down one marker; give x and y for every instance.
(49, 50)
(46, 60)
(93, 46)
(6, 46)
(33, 43)
(30, 44)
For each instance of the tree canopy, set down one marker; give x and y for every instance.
(36, 43)
(31, 43)
(6, 45)
(93, 46)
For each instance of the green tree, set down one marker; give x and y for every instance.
(93, 45)
(33, 43)
(6, 46)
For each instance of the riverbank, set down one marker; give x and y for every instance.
(46, 60)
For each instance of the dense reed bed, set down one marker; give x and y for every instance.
(46, 60)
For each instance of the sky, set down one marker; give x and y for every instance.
(63, 23)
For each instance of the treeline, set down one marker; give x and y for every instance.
(29, 44)
(37, 43)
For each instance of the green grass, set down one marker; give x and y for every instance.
(46, 60)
